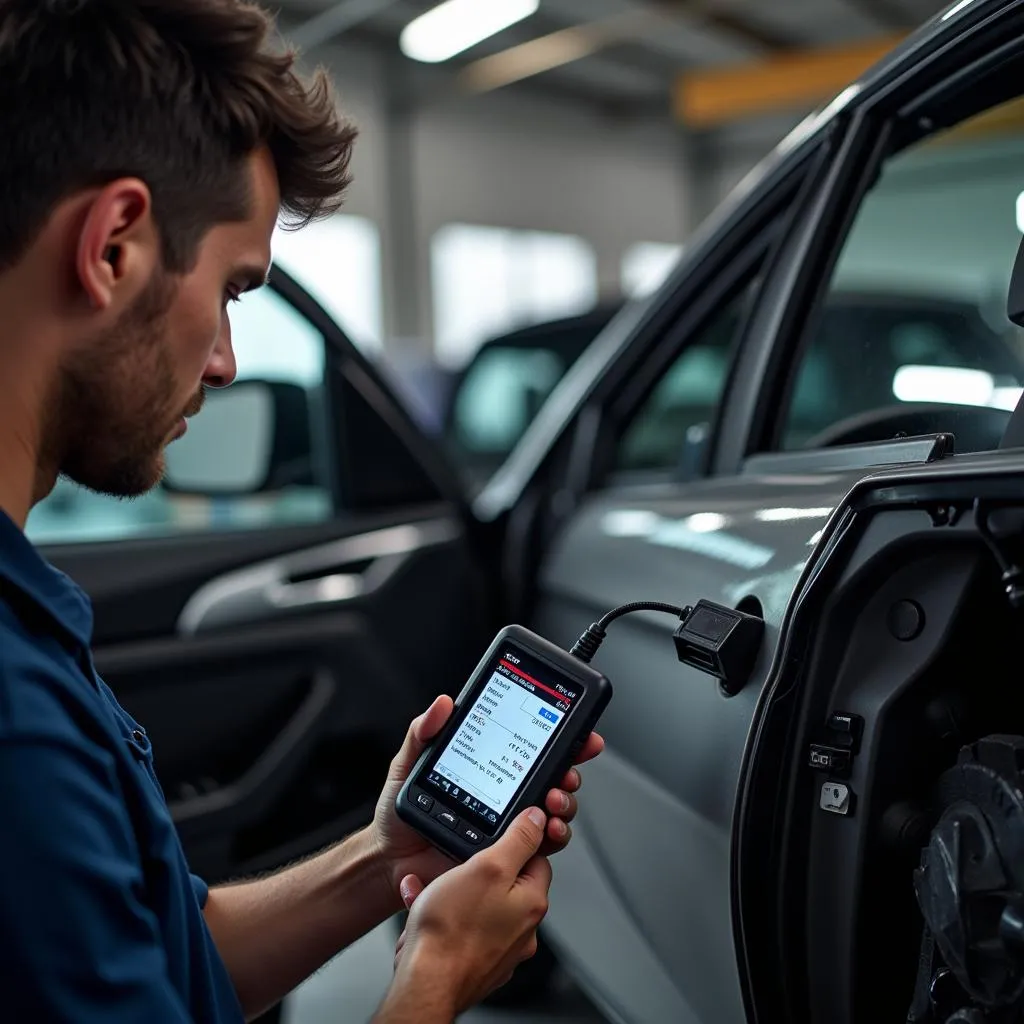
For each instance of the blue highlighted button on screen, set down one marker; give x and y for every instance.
(549, 715)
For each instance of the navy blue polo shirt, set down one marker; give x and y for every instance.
(100, 918)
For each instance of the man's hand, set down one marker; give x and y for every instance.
(467, 931)
(405, 852)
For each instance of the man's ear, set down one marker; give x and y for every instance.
(118, 246)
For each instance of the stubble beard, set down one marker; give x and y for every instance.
(115, 409)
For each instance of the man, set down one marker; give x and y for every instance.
(149, 146)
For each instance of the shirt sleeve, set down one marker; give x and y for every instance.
(202, 891)
(79, 945)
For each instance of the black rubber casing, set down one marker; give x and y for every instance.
(549, 768)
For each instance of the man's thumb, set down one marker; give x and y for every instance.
(523, 839)
(421, 732)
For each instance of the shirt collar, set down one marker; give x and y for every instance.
(51, 590)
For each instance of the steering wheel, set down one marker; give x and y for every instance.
(976, 428)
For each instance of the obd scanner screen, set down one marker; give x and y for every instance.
(514, 718)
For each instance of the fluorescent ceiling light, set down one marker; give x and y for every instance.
(954, 385)
(456, 25)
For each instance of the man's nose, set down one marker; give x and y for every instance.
(222, 368)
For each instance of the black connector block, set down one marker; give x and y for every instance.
(721, 641)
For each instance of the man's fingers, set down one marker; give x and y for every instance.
(410, 888)
(557, 836)
(561, 804)
(422, 730)
(520, 842)
(537, 872)
(399, 946)
(593, 746)
(529, 949)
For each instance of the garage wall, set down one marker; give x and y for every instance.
(519, 162)
(507, 159)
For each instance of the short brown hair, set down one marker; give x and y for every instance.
(175, 92)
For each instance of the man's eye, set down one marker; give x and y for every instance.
(232, 295)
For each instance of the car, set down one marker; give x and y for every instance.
(828, 833)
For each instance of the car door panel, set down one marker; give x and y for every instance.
(273, 719)
(656, 821)
(594, 928)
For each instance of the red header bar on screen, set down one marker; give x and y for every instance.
(536, 682)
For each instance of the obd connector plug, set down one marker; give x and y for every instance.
(720, 641)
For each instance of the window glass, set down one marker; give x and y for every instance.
(276, 345)
(913, 336)
(502, 396)
(489, 280)
(671, 429)
(646, 265)
(500, 392)
(338, 261)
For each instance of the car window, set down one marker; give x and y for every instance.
(913, 336)
(500, 396)
(501, 390)
(670, 430)
(275, 344)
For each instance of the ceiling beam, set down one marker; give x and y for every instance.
(556, 49)
(731, 26)
(333, 22)
(886, 13)
(800, 80)
(437, 85)
(566, 45)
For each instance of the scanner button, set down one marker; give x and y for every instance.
(470, 835)
(424, 801)
(447, 819)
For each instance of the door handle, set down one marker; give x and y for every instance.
(327, 576)
(333, 589)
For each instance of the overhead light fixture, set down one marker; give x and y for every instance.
(456, 25)
(954, 385)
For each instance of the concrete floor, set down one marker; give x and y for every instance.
(349, 989)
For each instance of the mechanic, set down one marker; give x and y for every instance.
(149, 147)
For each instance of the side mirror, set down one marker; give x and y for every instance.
(250, 438)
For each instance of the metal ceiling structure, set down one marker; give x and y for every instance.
(622, 55)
